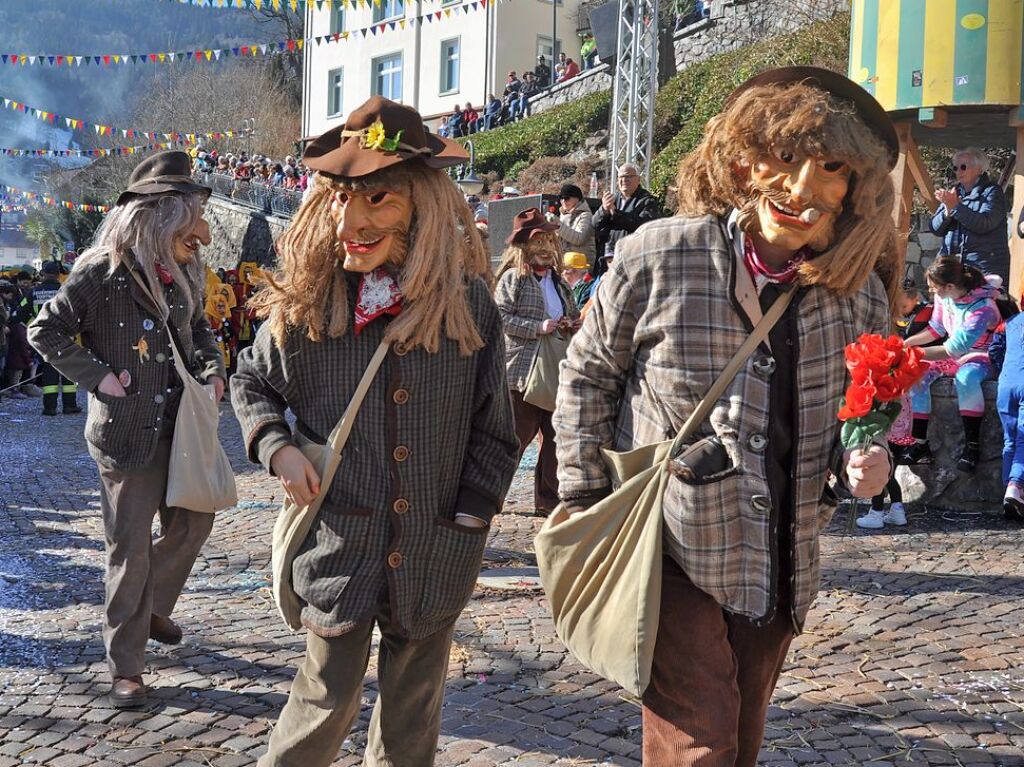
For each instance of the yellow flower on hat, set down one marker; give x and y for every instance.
(375, 136)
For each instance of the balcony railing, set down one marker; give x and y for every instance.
(256, 194)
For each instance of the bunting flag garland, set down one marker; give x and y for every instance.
(53, 202)
(296, 6)
(243, 51)
(108, 130)
(108, 152)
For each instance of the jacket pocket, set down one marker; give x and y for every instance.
(456, 555)
(329, 557)
(112, 423)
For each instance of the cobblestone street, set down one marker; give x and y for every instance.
(914, 653)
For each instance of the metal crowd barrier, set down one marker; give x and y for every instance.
(264, 197)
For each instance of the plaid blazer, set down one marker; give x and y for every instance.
(521, 304)
(122, 330)
(433, 438)
(665, 323)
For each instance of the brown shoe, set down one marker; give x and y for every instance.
(128, 692)
(164, 630)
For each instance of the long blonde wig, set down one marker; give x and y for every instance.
(714, 178)
(518, 255)
(145, 228)
(308, 292)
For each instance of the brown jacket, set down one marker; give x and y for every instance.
(433, 438)
(115, 319)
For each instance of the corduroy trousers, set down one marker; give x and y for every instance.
(529, 421)
(712, 679)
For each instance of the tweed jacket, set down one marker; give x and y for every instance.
(672, 310)
(521, 304)
(122, 330)
(433, 438)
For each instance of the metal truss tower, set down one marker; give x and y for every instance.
(635, 86)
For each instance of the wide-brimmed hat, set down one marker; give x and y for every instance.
(167, 171)
(377, 135)
(529, 223)
(575, 260)
(868, 108)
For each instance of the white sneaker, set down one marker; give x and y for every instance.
(896, 515)
(873, 520)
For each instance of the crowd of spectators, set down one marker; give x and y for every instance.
(257, 169)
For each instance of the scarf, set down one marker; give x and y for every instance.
(378, 295)
(762, 274)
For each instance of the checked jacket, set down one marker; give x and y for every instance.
(672, 310)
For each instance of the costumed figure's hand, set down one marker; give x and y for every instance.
(548, 327)
(577, 324)
(111, 386)
(296, 473)
(867, 471)
(468, 520)
(218, 387)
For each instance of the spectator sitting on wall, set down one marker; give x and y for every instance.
(559, 67)
(588, 51)
(570, 71)
(542, 72)
(529, 90)
(470, 119)
(492, 112)
(455, 123)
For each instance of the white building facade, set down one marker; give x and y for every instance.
(461, 55)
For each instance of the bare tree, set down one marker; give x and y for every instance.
(287, 67)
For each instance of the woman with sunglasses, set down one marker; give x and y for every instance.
(971, 217)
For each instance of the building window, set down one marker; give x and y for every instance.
(544, 49)
(450, 2)
(335, 91)
(388, 9)
(387, 77)
(450, 65)
(337, 19)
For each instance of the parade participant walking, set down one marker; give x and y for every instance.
(53, 384)
(136, 291)
(534, 301)
(383, 251)
(800, 204)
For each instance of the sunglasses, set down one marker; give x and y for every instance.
(961, 166)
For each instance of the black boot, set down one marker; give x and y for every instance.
(969, 457)
(69, 404)
(920, 453)
(49, 404)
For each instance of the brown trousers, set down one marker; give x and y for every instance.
(328, 691)
(145, 575)
(529, 420)
(712, 680)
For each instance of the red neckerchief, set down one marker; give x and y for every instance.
(762, 274)
(163, 274)
(378, 295)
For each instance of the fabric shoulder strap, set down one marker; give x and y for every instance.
(739, 359)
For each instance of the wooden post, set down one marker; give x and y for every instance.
(903, 184)
(1016, 243)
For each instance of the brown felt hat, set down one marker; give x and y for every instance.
(377, 135)
(168, 171)
(528, 223)
(868, 109)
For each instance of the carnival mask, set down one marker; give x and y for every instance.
(372, 226)
(542, 251)
(800, 198)
(187, 245)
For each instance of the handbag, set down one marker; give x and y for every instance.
(294, 522)
(199, 474)
(542, 380)
(601, 568)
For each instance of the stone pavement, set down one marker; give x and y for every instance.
(913, 653)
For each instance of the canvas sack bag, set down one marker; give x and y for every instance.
(542, 382)
(294, 522)
(199, 474)
(601, 568)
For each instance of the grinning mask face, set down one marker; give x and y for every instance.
(372, 226)
(542, 250)
(800, 198)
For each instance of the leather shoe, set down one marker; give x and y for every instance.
(164, 630)
(128, 692)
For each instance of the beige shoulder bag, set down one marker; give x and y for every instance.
(294, 522)
(601, 568)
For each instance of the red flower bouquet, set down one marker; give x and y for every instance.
(882, 370)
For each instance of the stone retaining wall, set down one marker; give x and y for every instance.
(240, 233)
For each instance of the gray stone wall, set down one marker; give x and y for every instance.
(240, 233)
(593, 80)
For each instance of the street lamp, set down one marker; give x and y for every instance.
(469, 183)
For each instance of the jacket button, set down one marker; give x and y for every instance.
(764, 366)
(400, 397)
(401, 349)
(400, 506)
(160, 357)
(757, 442)
(394, 560)
(761, 503)
(401, 453)
(158, 399)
